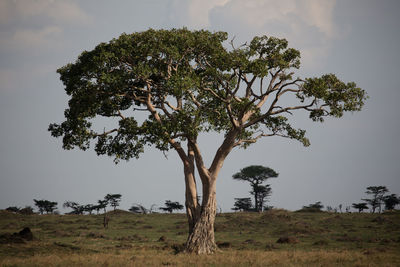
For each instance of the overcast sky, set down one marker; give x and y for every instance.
(357, 40)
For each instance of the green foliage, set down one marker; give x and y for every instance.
(188, 83)
(337, 96)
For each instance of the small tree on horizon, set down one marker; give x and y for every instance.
(256, 175)
(377, 193)
(391, 201)
(102, 204)
(242, 204)
(45, 206)
(170, 206)
(317, 206)
(360, 206)
(76, 208)
(113, 200)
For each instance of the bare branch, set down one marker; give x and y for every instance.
(203, 171)
(252, 140)
(120, 114)
(106, 133)
(197, 103)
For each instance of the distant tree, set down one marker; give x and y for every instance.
(256, 175)
(137, 208)
(28, 210)
(317, 206)
(45, 206)
(391, 201)
(50, 206)
(152, 208)
(13, 209)
(340, 207)
(40, 205)
(242, 204)
(348, 209)
(113, 199)
(102, 204)
(329, 208)
(89, 208)
(377, 193)
(76, 208)
(171, 206)
(360, 206)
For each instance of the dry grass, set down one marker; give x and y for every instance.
(223, 258)
(246, 239)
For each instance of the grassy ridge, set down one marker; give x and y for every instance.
(317, 239)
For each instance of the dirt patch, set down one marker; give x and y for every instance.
(224, 244)
(162, 239)
(95, 235)
(287, 240)
(321, 243)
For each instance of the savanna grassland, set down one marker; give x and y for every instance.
(245, 239)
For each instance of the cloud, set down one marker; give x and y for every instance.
(307, 24)
(35, 38)
(60, 11)
(198, 11)
(293, 13)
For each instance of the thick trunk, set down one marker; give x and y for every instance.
(201, 240)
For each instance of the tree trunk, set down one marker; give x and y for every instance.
(201, 239)
(191, 201)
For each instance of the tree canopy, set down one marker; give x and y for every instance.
(214, 89)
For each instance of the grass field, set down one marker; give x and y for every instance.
(245, 239)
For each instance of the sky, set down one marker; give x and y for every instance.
(357, 40)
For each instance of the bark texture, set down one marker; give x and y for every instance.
(201, 240)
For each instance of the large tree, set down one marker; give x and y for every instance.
(256, 175)
(189, 82)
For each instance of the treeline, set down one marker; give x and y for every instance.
(113, 200)
(256, 175)
(379, 197)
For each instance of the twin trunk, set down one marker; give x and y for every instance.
(201, 218)
(201, 226)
